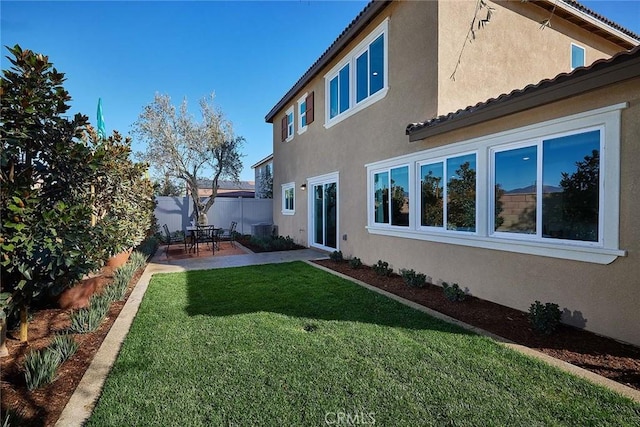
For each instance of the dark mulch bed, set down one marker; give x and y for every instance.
(249, 244)
(604, 356)
(43, 406)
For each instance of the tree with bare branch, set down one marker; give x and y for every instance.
(179, 146)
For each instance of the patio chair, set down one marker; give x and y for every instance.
(171, 239)
(229, 234)
(205, 234)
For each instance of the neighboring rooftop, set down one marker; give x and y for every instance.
(227, 185)
(622, 66)
(263, 161)
(569, 10)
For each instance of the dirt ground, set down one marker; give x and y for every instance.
(43, 406)
(604, 356)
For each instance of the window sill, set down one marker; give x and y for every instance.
(288, 212)
(567, 251)
(357, 108)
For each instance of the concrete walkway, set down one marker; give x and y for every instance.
(83, 400)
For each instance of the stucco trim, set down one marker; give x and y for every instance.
(575, 253)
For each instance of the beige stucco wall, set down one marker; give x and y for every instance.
(605, 295)
(508, 53)
(380, 128)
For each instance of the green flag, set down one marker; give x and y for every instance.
(102, 133)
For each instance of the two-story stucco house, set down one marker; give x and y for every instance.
(518, 179)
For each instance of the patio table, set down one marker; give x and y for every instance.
(192, 231)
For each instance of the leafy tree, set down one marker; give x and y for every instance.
(123, 199)
(46, 236)
(167, 187)
(498, 218)
(399, 205)
(180, 147)
(573, 212)
(266, 185)
(432, 203)
(461, 203)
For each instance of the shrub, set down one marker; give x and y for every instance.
(40, 367)
(149, 246)
(544, 318)
(88, 319)
(272, 243)
(382, 268)
(64, 345)
(336, 256)
(138, 260)
(355, 262)
(453, 292)
(413, 279)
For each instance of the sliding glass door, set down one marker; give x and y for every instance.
(323, 220)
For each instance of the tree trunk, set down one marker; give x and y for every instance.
(3, 336)
(24, 323)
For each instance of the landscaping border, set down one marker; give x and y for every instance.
(81, 404)
(622, 389)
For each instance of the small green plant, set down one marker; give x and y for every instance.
(382, 268)
(88, 319)
(64, 345)
(413, 279)
(138, 260)
(453, 292)
(355, 262)
(544, 318)
(336, 256)
(11, 419)
(40, 367)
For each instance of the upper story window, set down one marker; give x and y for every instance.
(339, 92)
(370, 70)
(538, 190)
(359, 79)
(288, 125)
(305, 112)
(577, 56)
(288, 198)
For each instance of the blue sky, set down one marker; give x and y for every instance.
(248, 53)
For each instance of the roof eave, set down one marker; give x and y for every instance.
(626, 40)
(260, 162)
(571, 85)
(355, 27)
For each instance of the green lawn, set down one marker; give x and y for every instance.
(290, 345)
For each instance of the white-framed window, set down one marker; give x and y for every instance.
(288, 125)
(538, 189)
(359, 79)
(288, 198)
(577, 56)
(391, 196)
(448, 193)
(548, 188)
